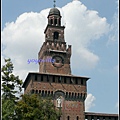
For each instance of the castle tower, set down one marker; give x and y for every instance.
(55, 55)
(54, 77)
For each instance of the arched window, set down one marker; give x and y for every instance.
(59, 22)
(69, 94)
(78, 95)
(51, 21)
(51, 93)
(45, 93)
(32, 91)
(66, 94)
(42, 92)
(55, 21)
(77, 118)
(36, 91)
(72, 95)
(56, 35)
(68, 118)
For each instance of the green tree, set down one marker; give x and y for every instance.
(8, 108)
(34, 107)
(11, 85)
(26, 107)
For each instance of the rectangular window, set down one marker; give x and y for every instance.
(70, 80)
(47, 78)
(76, 81)
(64, 79)
(59, 79)
(35, 77)
(41, 77)
(81, 81)
(53, 78)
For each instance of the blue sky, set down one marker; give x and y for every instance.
(95, 46)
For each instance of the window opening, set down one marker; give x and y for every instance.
(42, 78)
(77, 118)
(51, 21)
(53, 78)
(81, 81)
(70, 80)
(68, 118)
(56, 35)
(47, 78)
(76, 81)
(35, 77)
(55, 21)
(64, 79)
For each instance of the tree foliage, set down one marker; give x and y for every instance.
(8, 107)
(29, 106)
(33, 107)
(11, 84)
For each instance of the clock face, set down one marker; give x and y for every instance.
(58, 61)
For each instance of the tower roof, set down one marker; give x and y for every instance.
(54, 11)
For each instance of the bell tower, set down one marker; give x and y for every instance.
(68, 92)
(53, 53)
(54, 79)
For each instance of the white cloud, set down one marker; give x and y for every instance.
(24, 37)
(89, 102)
(85, 56)
(82, 28)
(113, 34)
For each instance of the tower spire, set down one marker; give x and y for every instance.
(54, 3)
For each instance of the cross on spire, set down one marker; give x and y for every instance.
(54, 3)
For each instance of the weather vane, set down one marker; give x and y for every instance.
(54, 3)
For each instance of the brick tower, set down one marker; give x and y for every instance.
(54, 77)
(54, 47)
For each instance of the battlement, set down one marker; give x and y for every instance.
(54, 46)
